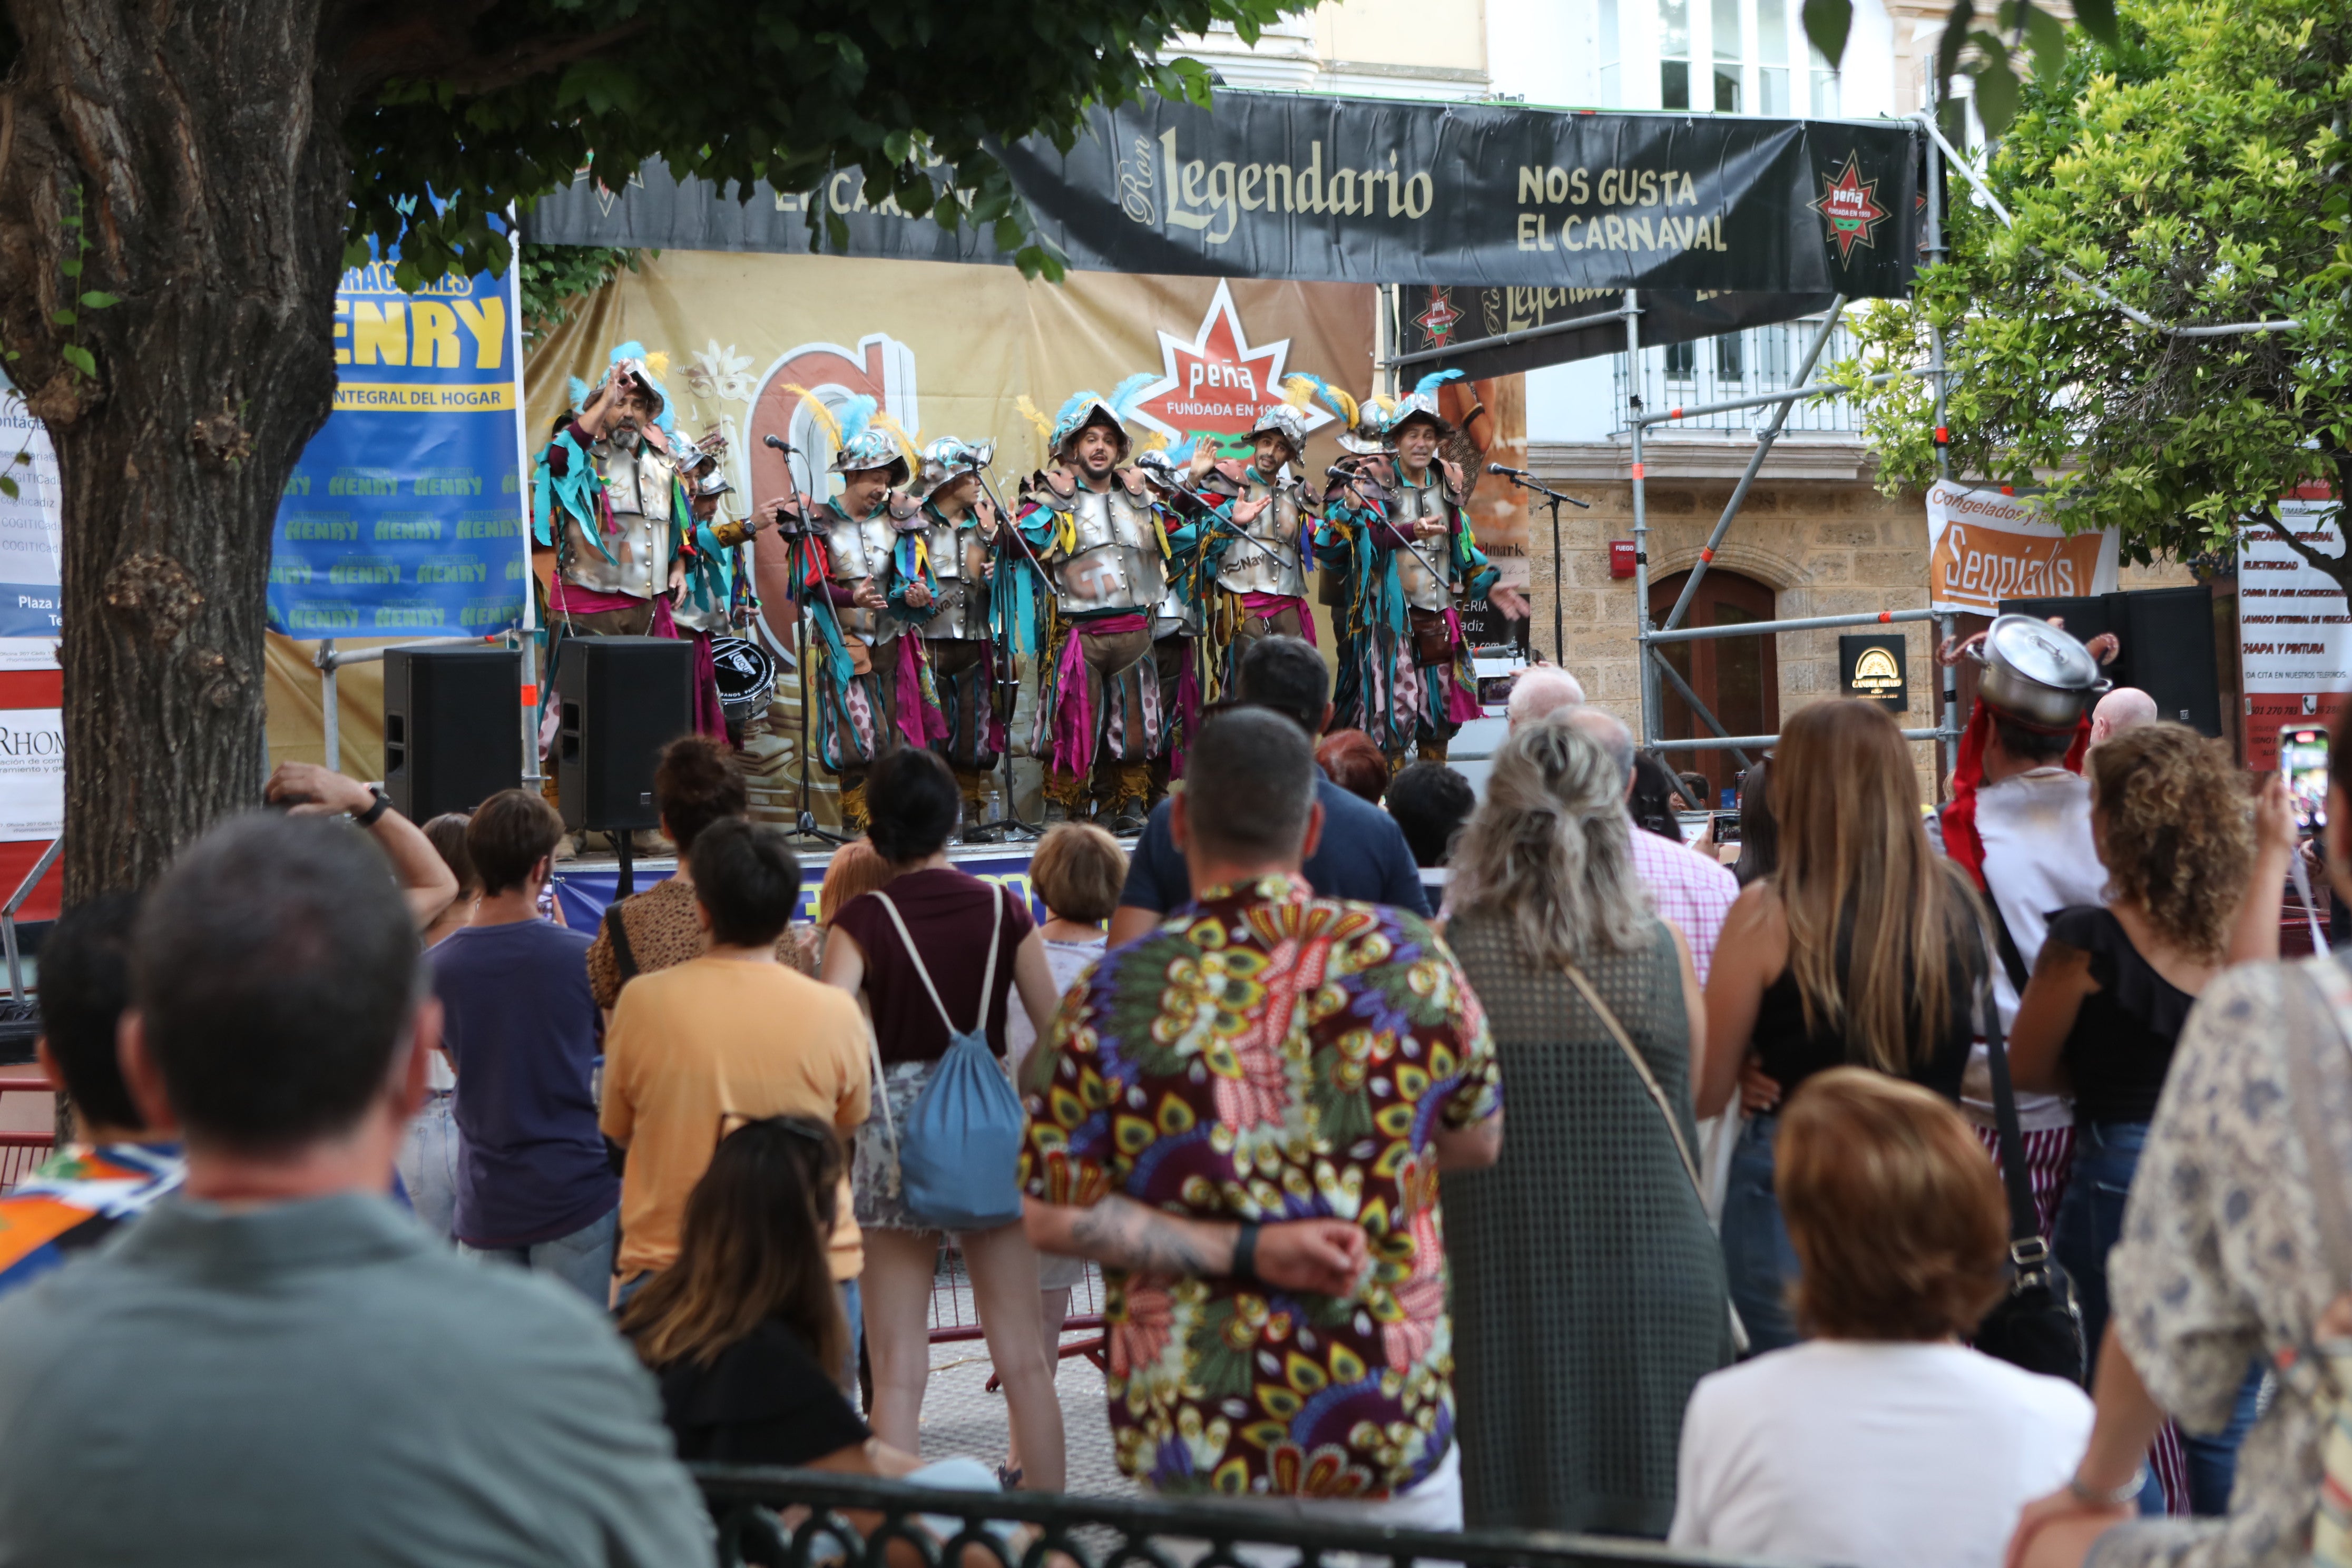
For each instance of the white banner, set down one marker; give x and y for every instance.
(1984, 547)
(2295, 636)
(32, 774)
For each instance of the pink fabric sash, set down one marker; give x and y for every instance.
(1072, 749)
(1461, 706)
(572, 598)
(709, 715)
(919, 720)
(1265, 606)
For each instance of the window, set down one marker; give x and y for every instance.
(1607, 51)
(1825, 86)
(1674, 54)
(1681, 362)
(1771, 56)
(1729, 357)
(1727, 56)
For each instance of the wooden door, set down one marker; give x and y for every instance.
(1739, 678)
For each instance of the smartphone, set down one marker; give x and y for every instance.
(2303, 758)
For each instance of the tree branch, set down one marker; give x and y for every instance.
(525, 61)
(2337, 566)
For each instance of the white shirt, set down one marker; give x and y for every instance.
(1067, 962)
(1846, 1451)
(2038, 858)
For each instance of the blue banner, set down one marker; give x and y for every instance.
(405, 516)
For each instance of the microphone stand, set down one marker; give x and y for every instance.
(804, 824)
(1552, 499)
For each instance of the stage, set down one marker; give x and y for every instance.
(585, 885)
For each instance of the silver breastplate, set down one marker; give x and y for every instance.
(1423, 589)
(636, 481)
(1269, 560)
(697, 617)
(1116, 564)
(963, 597)
(639, 549)
(855, 552)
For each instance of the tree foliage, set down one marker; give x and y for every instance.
(551, 279)
(2195, 172)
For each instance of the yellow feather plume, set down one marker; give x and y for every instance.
(1157, 441)
(657, 363)
(1036, 416)
(815, 406)
(910, 445)
(1298, 391)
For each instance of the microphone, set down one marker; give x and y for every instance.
(778, 442)
(1491, 467)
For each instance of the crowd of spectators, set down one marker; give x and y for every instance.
(341, 1088)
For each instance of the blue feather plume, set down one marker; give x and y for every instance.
(1072, 407)
(855, 414)
(1122, 396)
(1435, 379)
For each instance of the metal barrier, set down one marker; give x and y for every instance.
(799, 1518)
(956, 1319)
(22, 1153)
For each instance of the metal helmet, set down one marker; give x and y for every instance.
(1285, 420)
(646, 367)
(946, 459)
(1084, 408)
(1420, 402)
(864, 437)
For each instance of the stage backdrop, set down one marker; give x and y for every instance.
(948, 350)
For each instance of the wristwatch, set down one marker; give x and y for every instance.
(369, 818)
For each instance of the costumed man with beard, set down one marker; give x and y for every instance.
(869, 681)
(1413, 563)
(1268, 548)
(948, 563)
(1106, 545)
(714, 594)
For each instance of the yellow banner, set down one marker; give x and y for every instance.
(423, 397)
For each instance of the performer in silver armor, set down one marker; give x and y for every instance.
(1106, 544)
(865, 671)
(713, 595)
(1413, 563)
(1269, 549)
(952, 571)
(607, 501)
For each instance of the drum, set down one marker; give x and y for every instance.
(747, 678)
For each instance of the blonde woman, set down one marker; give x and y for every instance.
(1863, 947)
(1588, 1290)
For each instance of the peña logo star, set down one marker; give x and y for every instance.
(1218, 383)
(1440, 320)
(1850, 205)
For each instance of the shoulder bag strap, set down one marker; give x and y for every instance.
(2004, 945)
(2303, 1043)
(617, 930)
(2024, 1221)
(1585, 989)
(921, 971)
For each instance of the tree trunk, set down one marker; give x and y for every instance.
(199, 144)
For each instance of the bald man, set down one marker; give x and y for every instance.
(2125, 708)
(1542, 688)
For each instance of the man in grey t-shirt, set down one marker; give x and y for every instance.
(278, 1365)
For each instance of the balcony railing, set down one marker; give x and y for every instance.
(1736, 364)
(800, 1518)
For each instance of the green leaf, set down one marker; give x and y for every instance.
(9, 488)
(1827, 23)
(2047, 37)
(99, 300)
(2098, 19)
(70, 269)
(80, 359)
(1997, 87)
(64, 318)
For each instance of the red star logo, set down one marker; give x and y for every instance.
(1217, 383)
(1848, 204)
(1439, 319)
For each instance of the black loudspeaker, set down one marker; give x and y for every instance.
(622, 700)
(2167, 646)
(452, 727)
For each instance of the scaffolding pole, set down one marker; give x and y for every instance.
(1645, 669)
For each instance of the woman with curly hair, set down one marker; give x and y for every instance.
(2113, 986)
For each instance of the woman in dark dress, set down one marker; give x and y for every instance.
(1863, 947)
(1587, 1293)
(2112, 988)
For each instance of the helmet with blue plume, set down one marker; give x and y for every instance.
(1085, 408)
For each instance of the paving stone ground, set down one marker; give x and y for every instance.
(960, 1417)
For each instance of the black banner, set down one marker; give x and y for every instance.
(1367, 190)
(1439, 328)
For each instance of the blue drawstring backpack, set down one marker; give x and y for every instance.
(959, 1154)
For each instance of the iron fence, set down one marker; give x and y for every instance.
(1734, 365)
(802, 1518)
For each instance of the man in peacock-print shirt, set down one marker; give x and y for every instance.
(1291, 1073)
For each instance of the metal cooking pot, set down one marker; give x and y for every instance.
(2037, 674)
